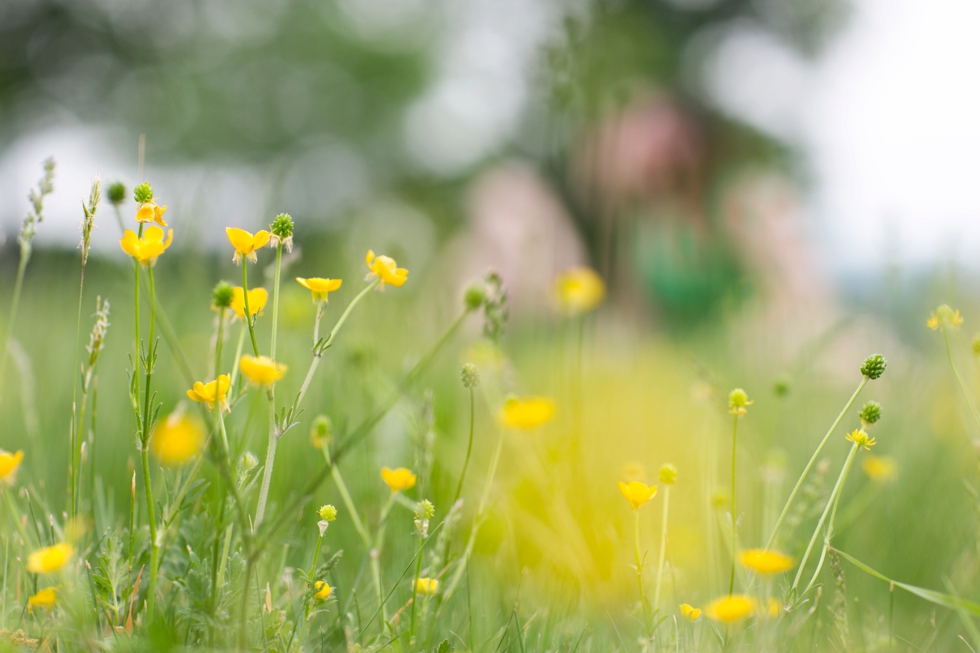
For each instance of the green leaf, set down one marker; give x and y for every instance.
(445, 647)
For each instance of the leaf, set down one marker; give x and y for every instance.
(445, 647)
(945, 600)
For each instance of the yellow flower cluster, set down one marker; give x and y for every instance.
(944, 317)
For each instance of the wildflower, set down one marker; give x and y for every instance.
(50, 559)
(398, 480)
(257, 298)
(151, 212)
(738, 400)
(943, 317)
(320, 432)
(323, 590)
(690, 612)
(385, 269)
(870, 413)
(9, 462)
(319, 287)
(637, 493)
(177, 439)
(874, 366)
(149, 247)
(245, 243)
(668, 474)
(474, 296)
(427, 585)
(282, 231)
(223, 295)
(527, 412)
(470, 376)
(117, 193)
(762, 561)
(208, 393)
(262, 370)
(327, 513)
(46, 598)
(730, 609)
(861, 439)
(579, 290)
(880, 469)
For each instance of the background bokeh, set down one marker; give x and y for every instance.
(771, 190)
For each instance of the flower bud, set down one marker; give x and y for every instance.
(282, 231)
(738, 400)
(874, 366)
(320, 431)
(327, 513)
(425, 510)
(117, 193)
(781, 386)
(668, 474)
(470, 376)
(143, 193)
(475, 295)
(870, 413)
(249, 461)
(222, 295)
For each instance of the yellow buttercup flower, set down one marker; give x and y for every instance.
(860, 438)
(323, 590)
(257, 299)
(50, 558)
(262, 370)
(730, 609)
(151, 212)
(690, 612)
(208, 393)
(398, 480)
(880, 469)
(527, 412)
(149, 247)
(385, 268)
(245, 243)
(43, 599)
(319, 287)
(943, 317)
(637, 493)
(766, 562)
(579, 290)
(427, 585)
(177, 439)
(9, 462)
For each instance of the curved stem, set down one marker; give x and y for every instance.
(959, 379)
(830, 524)
(270, 453)
(813, 459)
(469, 448)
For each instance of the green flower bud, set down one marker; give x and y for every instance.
(117, 193)
(874, 366)
(327, 513)
(668, 474)
(870, 413)
(143, 193)
(470, 376)
(282, 226)
(249, 461)
(475, 295)
(320, 431)
(425, 510)
(222, 295)
(738, 400)
(781, 386)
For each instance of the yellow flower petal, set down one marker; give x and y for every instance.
(262, 370)
(177, 439)
(398, 480)
(527, 412)
(9, 462)
(50, 559)
(730, 609)
(637, 493)
(766, 562)
(579, 290)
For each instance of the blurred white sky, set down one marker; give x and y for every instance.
(888, 118)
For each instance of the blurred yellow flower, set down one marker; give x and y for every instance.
(668, 474)
(772, 608)
(50, 559)
(151, 212)
(9, 462)
(943, 317)
(690, 612)
(766, 562)
(427, 585)
(208, 393)
(385, 268)
(323, 590)
(738, 400)
(43, 599)
(527, 412)
(245, 243)
(730, 609)
(319, 287)
(149, 247)
(637, 493)
(257, 299)
(177, 439)
(579, 290)
(262, 370)
(880, 469)
(398, 480)
(860, 438)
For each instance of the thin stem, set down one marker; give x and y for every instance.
(639, 558)
(343, 316)
(731, 580)
(830, 523)
(823, 516)
(663, 548)
(248, 313)
(270, 459)
(270, 454)
(219, 343)
(144, 452)
(469, 447)
(25, 256)
(415, 588)
(813, 459)
(959, 379)
(375, 555)
(80, 425)
(345, 496)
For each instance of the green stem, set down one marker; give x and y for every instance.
(469, 448)
(731, 580)
(144, 452)
(345, 496)
(25, 256)
(275, 300)
(80, 425)
(270, 454)
(415, 588)
(830, 523)
(813, 459)
(639, 558)
(375, 555)
(151, 518)
(959, 379)
(219, 343)
(343, 317)
(663, 548)
(823, 516)
(248, 313)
